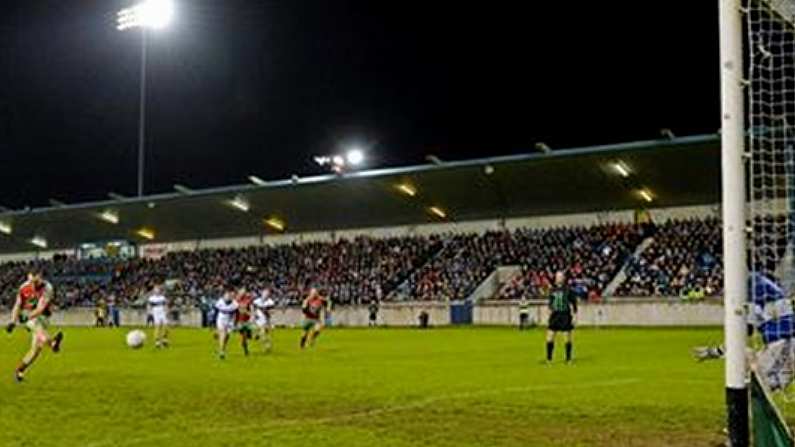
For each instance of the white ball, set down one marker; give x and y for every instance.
(136, 338)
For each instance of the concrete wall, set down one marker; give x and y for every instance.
(640, 312)
(617, 313)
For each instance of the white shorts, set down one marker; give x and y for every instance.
(775, 364)
(262, 321)
(159, 318)
(225, 323)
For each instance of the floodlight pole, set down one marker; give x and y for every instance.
(142, 115)
(734, 222)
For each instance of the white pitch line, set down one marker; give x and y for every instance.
(285, 423)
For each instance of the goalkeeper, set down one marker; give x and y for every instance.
(771, 316)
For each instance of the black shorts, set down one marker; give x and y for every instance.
(560, 322)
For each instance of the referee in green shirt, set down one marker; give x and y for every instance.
(562, 313)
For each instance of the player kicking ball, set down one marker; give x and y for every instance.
(32, 308)
(156, 306)
(563, 312)
(226, 309)
(312, 309)
(262, 318)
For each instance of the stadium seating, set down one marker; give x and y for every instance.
(683, 258)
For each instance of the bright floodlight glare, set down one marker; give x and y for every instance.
(5, 228)
(646, 195)
(338, 160)
(355, 156)
(155, 14)
(39, 242)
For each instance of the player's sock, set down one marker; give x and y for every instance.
(303, 342)
(55, 344)
(550, 350)
(568, 351)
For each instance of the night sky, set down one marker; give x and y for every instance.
(259, 87)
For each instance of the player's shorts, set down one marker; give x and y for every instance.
(560, 322)
(262, 321)
(39, 323)
(245, 327)
(775, 364)
(308, 324)
(224, 323)
(159, 318)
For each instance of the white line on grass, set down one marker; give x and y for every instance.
(302, 422)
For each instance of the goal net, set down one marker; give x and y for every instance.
(770, 121)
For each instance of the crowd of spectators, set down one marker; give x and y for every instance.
(685, 258)
(350, 271)
(590, 257)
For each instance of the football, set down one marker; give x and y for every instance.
(136, 338)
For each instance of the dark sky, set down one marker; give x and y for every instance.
(258, 87)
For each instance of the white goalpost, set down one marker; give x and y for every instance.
(757, 63)
(733, 201)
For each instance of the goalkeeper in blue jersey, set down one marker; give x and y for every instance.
(770, 314)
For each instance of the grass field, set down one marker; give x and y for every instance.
(359, 387)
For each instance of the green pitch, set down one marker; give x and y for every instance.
(358, 387)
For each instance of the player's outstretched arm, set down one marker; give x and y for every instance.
(14, 314)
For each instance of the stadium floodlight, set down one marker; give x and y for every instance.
(438, 212)
(109, 216)
(240, 203)
(256, 180)
(5, 228)
(407, 189)
(338, 160)
(622, 170)
(646, 195)
(152, 14)
(275, 223)
(39, 242)
(355, 156)
(146, 233)
(146, 15)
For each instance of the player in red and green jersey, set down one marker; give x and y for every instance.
(244, 319)
(32, 308)
(312, 308)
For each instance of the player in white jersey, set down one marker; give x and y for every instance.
(262, 317)
(226, 310)
(156, 306)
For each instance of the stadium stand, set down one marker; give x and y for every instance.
(437, 267)
(685, 258)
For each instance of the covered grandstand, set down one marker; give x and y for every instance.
(567, 181)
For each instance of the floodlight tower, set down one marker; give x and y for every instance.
(146, 15)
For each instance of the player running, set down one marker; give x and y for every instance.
(312, 308)
(156, 306)
(244, 317)
(563, 312)
(262, 317)
(226, 311)
(32, 308)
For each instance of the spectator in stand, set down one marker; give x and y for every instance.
(685, 256)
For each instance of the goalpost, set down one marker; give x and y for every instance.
(757, 62)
